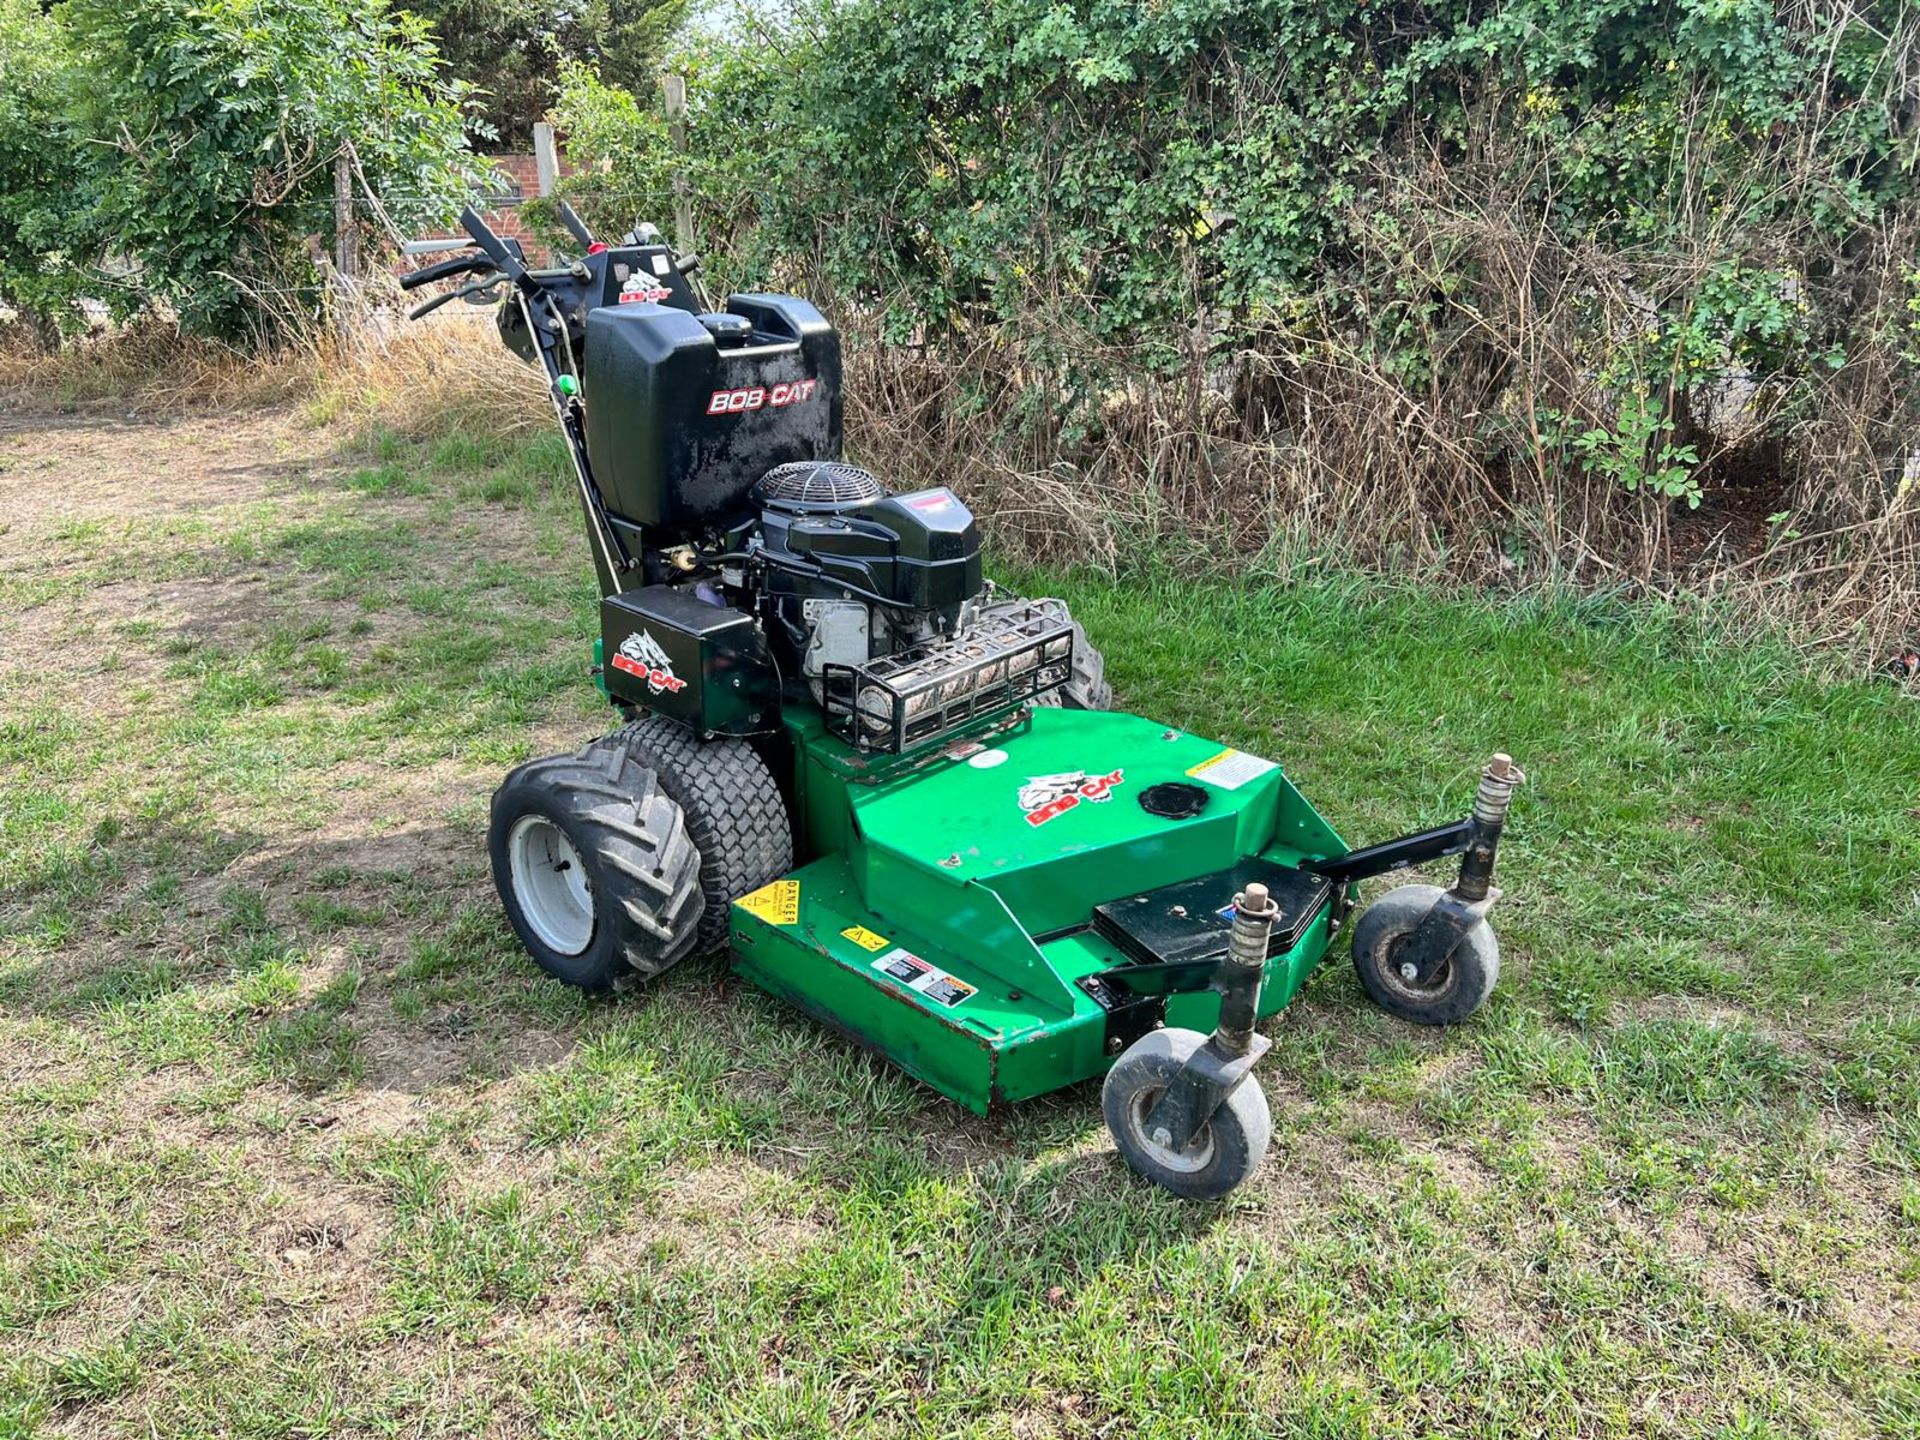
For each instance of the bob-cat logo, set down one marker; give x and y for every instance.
(760, 397)
(1047, 797)
(641, 287)
(640, 656)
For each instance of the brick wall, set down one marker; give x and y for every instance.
(520, 175)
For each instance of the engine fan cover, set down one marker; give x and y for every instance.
(816, 487)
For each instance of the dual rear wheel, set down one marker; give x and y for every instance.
(621, 859)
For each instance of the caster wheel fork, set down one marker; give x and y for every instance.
(1184, 1108)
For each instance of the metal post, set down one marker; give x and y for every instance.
(1253, 915)
(1211, 1072)
(346, 246)
(546, 158)
(675, 88)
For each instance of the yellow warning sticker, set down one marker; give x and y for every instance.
(777, 904)
(865, 938)
(1231, 769)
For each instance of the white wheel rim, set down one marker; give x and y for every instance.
(1196, 1157)
(550, 885)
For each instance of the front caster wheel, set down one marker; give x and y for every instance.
(1453, 992)
(1229, 1146)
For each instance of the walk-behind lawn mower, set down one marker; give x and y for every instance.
(894, 793)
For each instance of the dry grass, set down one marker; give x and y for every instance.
(1309, 454)
(448, 375)
(445, 376)
(1316, 460)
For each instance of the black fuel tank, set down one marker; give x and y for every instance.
(680, 426)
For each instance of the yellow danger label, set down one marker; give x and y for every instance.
(777, 904)
(865, 938)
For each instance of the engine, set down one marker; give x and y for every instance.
(853, 572)
(881, 603)
(781, 573)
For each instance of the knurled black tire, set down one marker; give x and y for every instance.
(1460, 987)
(1087, 687)
(734, 811)
(641, 865)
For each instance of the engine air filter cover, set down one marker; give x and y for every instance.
(816, 487)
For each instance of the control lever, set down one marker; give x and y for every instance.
(504, 260)
(440, 270)
(472, 287)
(576, 227)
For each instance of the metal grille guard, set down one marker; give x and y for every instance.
(901, 701)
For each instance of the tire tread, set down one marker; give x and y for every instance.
(732, 806)
(636, 832)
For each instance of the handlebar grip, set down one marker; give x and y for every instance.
(576, 227)
(459, 264)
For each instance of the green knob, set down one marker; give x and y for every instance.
(568, 386)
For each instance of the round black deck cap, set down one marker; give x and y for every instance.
(1173, 800)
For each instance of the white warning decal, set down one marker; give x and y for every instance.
(1231, 769)
(917, 974)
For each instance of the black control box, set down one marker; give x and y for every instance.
(703, 665)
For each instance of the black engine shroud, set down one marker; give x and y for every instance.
(920, 552)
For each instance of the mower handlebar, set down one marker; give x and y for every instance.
(458, 265)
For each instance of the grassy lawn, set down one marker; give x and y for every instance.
(294, 1142)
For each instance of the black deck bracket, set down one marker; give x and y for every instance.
(1209, 1075)
(1135, 996)
(1431, 943)
(1391, 855)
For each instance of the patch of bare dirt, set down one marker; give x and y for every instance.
(317, 1246)
(56, 470)
(724, 1209)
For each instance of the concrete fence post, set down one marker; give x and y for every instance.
(675, 88)
(546, 158)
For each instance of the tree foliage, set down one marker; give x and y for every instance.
(183, 150)
(40, 164)
(1558, 217)
(513, 51)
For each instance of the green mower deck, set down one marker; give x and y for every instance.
(946, 923)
